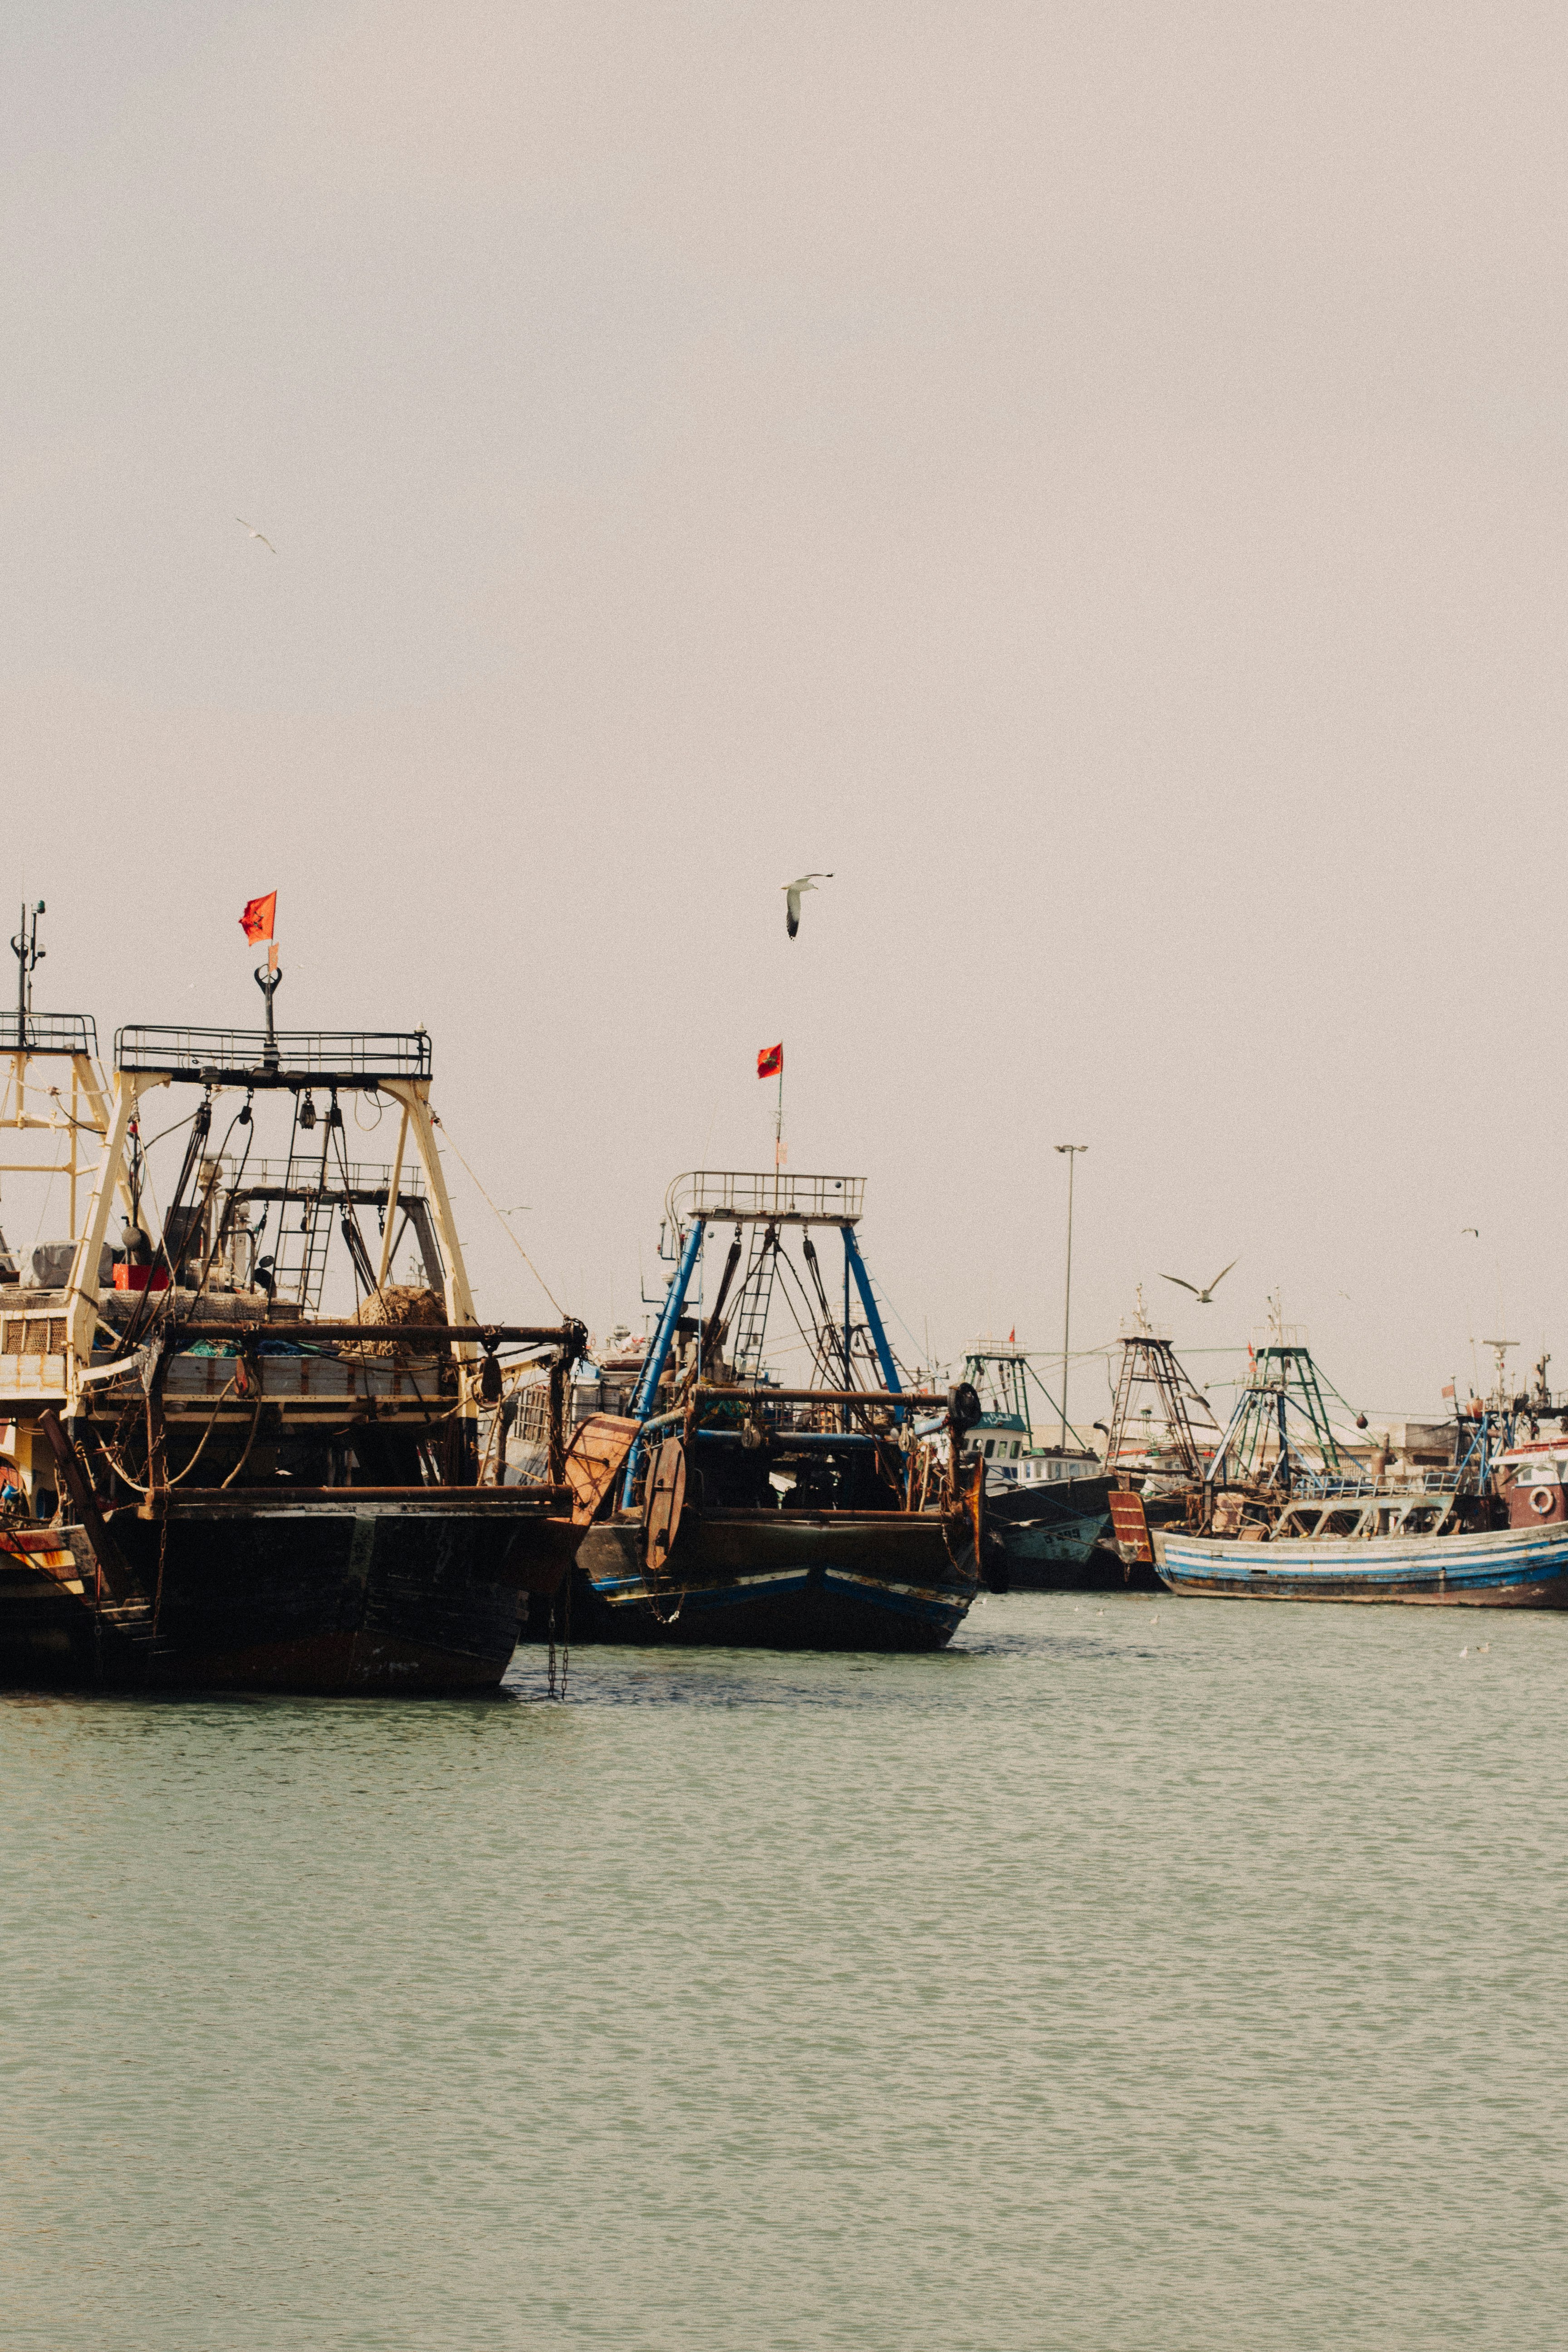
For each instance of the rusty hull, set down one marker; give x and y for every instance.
(339, 1591)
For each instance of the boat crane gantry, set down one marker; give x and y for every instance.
(742, 1199)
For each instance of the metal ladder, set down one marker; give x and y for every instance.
(299, 1260)
(756, 1297)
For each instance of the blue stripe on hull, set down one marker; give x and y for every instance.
(1518, 1568)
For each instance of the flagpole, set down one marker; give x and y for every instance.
(778, 1133)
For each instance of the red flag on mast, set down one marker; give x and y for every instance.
(259, 917)
(770, 1061)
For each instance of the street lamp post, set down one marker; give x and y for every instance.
(1072, 1150)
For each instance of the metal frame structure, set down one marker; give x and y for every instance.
(1282, 1380)
(741, 1198)
(27, 1036)
(747, 1197)
(339, 1061)
(1149, 1360)
(1008, 1370)
(296, 1058)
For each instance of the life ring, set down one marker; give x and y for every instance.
(1542, 1502)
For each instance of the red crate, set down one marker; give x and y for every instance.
(140, 1277)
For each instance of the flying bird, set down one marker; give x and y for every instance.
(261, 535)
(1469, 1229)
(1203, 1298)
(792, 891)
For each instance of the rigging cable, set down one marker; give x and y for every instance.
(501, 1220)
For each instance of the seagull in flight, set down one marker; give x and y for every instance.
(792, 891)
(261, 535)
(1203, 1298)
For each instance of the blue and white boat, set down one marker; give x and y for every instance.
(1436, 1545)
(1286, 1508)
(1477, 1568)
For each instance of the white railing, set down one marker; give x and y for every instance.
(751, 1196)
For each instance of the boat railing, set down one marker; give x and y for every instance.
(48, 1032)
(364, 1181)
(291, 1058)
(755, 1196)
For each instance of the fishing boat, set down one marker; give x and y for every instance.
(1384, 1549)
(1307, 1523)
(1160, 1437)
(759, 1513)
(209, 1481)
(1047, 1506)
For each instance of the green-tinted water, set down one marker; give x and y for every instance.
(1138, 1974)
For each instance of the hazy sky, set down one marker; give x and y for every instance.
(1091, 475)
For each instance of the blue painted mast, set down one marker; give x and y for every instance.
(647, 1390)
(856, 1265)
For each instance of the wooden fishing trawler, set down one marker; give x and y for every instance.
(1286, 1514)
(211, 1482)
(751, 1513)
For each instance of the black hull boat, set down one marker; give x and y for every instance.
(786, 1581)
(213, 1485)
(755, 1514)
(348, 1590)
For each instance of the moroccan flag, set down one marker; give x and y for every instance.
(770, 1061)
(259, 916)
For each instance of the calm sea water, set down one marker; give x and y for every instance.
(1137, 1974)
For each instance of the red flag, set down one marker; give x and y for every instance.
(1012, 1336)
(259, 916)
(770, 1061)
(1447, 1387)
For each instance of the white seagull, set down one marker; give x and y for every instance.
(792, 891)
(261, 535)
(1203, 1298)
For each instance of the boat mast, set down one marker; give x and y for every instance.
(28, 954)
(1072, 1150)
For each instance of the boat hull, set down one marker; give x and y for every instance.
(1057, 1539)
(1505, 1568)
(342, 1592)
(786, 1581)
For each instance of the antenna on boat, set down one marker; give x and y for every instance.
(1500, 1348)
(28, 953)
(268, 978)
